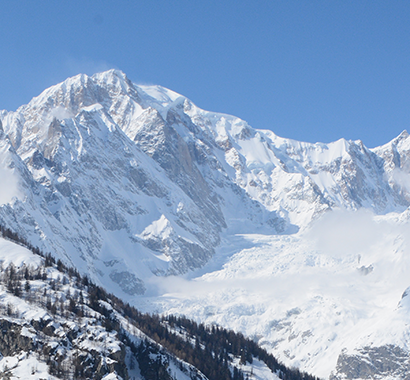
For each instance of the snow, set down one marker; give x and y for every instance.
(161, 94)
(93, 108)
(9, 184)
(25, 366)
(160, 227)
(16, 254)
(302, 299)
(29, 333)
(258, 156)
(256, 370)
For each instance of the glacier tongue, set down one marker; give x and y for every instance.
(130, 183)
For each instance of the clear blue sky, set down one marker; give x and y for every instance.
(308, 70)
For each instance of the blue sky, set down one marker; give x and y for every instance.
(308, 70)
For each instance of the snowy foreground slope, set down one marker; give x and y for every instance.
(176, 209)
(56, 324)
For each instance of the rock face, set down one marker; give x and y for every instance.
(11, 339)
(374, 363)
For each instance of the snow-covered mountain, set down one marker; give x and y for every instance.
(132, 184)
(113, 178)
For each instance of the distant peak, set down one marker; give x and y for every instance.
(114, 78)
(401, 137)
(118, 73)
(110, 74)
(82, 78)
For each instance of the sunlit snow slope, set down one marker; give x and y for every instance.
(314, 299)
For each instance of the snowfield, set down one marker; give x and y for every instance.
(306, 297)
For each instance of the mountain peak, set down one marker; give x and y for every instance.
(110, 75)
(402, 136)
